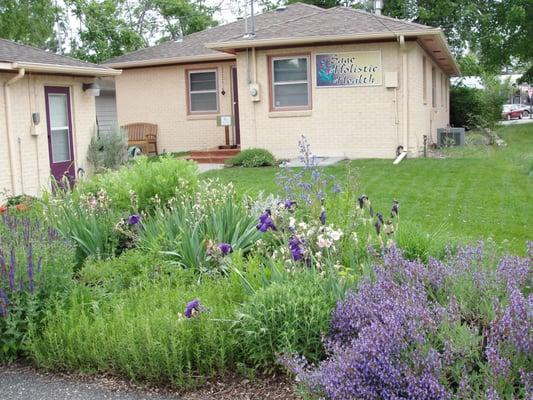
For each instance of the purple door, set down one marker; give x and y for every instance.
(235, 94)
(59, 127)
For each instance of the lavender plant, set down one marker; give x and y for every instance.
(35, 264)
(412, 331)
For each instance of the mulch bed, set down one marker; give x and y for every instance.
(229, 387)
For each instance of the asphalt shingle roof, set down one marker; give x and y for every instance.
(193, 45)
(333, 21)
(16, 52)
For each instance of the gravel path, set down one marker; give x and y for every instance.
(18, 383)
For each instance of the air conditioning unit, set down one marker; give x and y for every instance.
(451, 137)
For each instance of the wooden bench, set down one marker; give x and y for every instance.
(143, 135)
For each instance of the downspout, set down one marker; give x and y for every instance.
(254, 105)
(405, 93)
(10, 143)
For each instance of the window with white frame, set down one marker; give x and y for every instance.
(291, 82)
(203, 93)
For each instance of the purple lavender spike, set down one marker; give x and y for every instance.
(4, 302)
(12, 264)
(3, 269)
(30, 267)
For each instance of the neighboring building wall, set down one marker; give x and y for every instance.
(424, 119)
(158, 95)
(356, 122)
(106, 112)
(32, 167)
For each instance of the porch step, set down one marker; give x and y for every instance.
(215, 152)
(213, 156)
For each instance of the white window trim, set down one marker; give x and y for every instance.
(274, 84)
(190, 92)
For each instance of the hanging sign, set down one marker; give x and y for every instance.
(358, 68)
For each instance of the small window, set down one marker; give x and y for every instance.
(290, 83)
(203, 93)
(424, 81)
(433, 87)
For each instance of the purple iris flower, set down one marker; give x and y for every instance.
(225, 248)
(134, 219)
(266, 222)
(295, 247)
(323, 217)
(361, 200)
(394, 210)
(192, 306)
(289, 205)
(378, 227)
(380, 217)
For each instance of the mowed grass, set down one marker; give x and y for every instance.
(478, 192)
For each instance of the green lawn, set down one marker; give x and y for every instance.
(477, 192)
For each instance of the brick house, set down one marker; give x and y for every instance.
(47, 116)
(356, 84)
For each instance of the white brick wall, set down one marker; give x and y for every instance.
(32, 167)
(357, 122)
(158, 95)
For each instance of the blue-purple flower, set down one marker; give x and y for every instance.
(296, 248)
(380, 217)
(289, 205)
(266, 222)
(323, 217)
(134, 219)
(377, 225)
(395, 209)
(193, 308)
(225, 248)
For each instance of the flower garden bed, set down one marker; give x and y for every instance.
(151, 274)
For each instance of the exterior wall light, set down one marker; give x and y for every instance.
(92, 89)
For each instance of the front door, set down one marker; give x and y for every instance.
(235, 96)
(59, 126)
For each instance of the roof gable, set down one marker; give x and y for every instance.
(12, 52)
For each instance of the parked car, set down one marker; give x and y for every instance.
(512, 111)
(527, 109)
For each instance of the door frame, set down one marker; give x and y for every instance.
(235, 105)
(71, 167)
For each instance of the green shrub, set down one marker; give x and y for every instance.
(132, 268)
(285, 318)
(138, 333)
(108, 151)
(250, 158)
(136, 185)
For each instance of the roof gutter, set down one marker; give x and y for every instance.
(171, 60)
(10, 144)
(241, 44)
(65, 69)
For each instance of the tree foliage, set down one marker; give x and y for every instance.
(496, 31)
(29, 21)
(110, 28)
